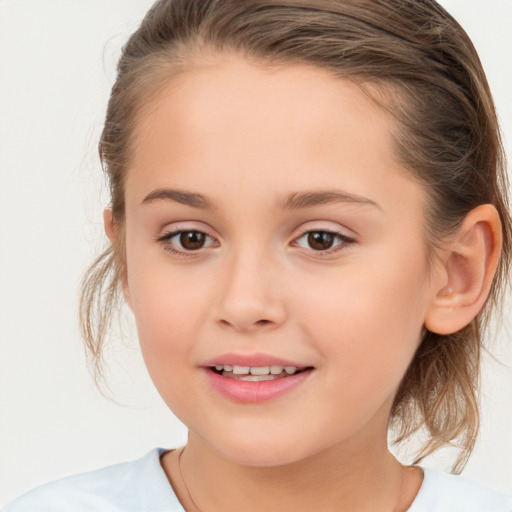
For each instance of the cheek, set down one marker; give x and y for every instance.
(369, 324)
(166, 314)
(165, 320)
(167, 305)
(166, 298)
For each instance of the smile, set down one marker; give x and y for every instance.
(254, 379)
(255, 373)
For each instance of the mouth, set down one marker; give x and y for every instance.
(255, 378)
(257, 373)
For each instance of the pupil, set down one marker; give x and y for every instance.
(320, 240)
(192, 240)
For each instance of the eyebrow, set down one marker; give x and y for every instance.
(293, 201)
(179, 196)
(299, 200)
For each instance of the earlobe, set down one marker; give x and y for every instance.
(468, 267)
(108, 223)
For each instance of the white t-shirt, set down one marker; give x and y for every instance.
(142, 486)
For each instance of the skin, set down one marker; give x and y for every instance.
(246, 137)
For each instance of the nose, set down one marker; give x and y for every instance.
(250, 298)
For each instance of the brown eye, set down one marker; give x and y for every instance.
(192, 240)
(321, 240)
(187, 242)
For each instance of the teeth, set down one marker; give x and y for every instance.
(240, 370)
(260, 370)
(257, 378)
(256, 370)
(276, 370)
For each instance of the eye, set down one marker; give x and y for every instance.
(323, 241)
(186, 241)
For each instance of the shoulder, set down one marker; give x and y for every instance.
(441, 492)
(130, 486)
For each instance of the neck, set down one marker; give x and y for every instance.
(337, 479)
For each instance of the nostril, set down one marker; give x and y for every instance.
(246, 326)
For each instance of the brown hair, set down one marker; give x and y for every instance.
(428, 76)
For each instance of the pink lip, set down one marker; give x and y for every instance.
(248, 392)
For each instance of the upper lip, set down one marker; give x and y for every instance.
(252, 360)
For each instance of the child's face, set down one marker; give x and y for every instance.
(269, 162)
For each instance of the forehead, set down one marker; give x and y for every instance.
(262, 128)
(229, 90)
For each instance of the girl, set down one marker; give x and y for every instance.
(309, 222)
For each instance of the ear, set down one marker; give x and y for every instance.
(108, 223)
(466, 272)
(112, 232)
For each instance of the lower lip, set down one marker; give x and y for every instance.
(248, 392)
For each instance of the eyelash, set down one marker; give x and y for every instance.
(343, 241)
(165, 240)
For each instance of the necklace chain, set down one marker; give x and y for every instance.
(199, 510)
(185, 482)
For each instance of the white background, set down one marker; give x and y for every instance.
(57, 62)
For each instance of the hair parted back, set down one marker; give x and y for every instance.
(428, 76)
